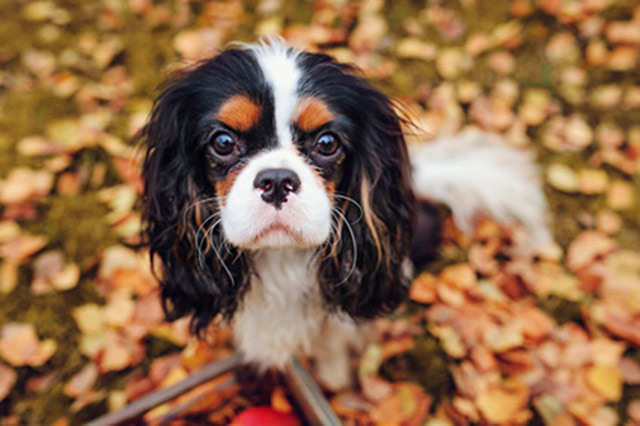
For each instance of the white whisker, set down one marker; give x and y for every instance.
(354, 202)
(354, 246)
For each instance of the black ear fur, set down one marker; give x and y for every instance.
(370, 280)
(199, 275)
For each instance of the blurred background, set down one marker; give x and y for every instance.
(490, 334)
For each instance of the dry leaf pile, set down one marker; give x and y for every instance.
(493, 334)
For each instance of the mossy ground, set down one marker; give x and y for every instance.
(76, 223)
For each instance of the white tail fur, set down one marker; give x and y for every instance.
(475, 173)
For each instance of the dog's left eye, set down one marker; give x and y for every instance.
(327, 144)
(223, 144)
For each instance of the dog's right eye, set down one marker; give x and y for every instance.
(223, 144)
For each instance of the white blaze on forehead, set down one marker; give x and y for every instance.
(280, 68)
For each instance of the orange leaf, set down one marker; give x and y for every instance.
(20, 346)
(8, 378)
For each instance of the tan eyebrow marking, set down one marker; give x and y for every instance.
(312, 113)
(240, 113)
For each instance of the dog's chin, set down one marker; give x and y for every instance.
(279, 236)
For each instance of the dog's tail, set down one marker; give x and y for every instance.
(475, 173)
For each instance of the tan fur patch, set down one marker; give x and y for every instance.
(372, 221)
(240, 113)
(224, 186)
(312, 113)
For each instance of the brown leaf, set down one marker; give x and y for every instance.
(588, 247)
(32, 146)
(608, 222)
(607, 381)
(460, 276)
(138, 386)
(390, 410)
(69, 184)
(502, 404)
(119, 352)
(42, 382)
(374, 388)
(423, 289)
(8, 277)
(630, 371)
(8, 378)
(50, 273)
(19, 249)
(19, 345)
(279, 401)
(501, 339)
(82, 382)
(119, 310)
(562, 177)
(23, 184)
(623, 32)
(634, 410)
(620, 195)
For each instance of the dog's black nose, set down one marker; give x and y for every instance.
(276, 184)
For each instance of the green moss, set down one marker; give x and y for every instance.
(562, 310)
(27, 112)
(77, 225)
(426, 364)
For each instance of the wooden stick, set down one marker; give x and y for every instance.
(147, 402)
(176, 412)
(314, 405)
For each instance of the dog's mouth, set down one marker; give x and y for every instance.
(279, 232)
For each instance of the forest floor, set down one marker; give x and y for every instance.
(491, 335)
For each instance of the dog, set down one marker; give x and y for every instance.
(280, 196)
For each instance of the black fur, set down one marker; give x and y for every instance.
(178, 179)
(375, 150)
(177, 183)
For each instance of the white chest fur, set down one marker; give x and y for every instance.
(282, 312)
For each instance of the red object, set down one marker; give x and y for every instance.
(265, 416)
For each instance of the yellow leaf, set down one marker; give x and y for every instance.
(606, 380)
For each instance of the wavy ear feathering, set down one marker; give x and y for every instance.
(361, 273)
(200, 275)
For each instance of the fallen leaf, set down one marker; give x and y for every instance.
(460, 276)
(19, 249)
(423, 289)
(8, 378)
(592, 181)
(23, 184)
(41, 383)
(371, 360)
(607, 381)
(389, 411)
(19, 345)
(82, 382)
(633, 410)
(620, 195)
(374, 388)
(501, 404)
(8, 277)
(501, 339)
(630, 371)
(562, 177)
(587, 247)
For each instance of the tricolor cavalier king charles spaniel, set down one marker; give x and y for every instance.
(280, 195)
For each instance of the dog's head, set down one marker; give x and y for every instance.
(269, 147)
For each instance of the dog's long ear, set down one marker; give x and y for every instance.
(198, 276)
(361, 272)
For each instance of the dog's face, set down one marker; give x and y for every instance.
(268, 147)
(274, 153)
